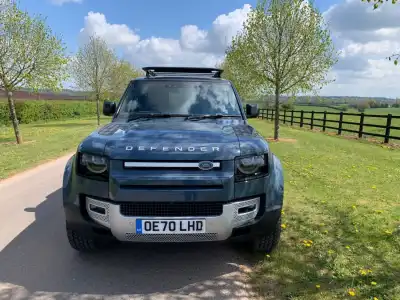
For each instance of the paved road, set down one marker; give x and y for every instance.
(36, 261)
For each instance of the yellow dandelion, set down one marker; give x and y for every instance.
(364, 272)
(375, 298)
(354, 207)
(348, 247)
(283, 212)
(325, 231)
(317, 286)
(373, 283)
(388, 232)
(283, 226)
(352, 292)
(373, 187)
(379, 211)
(268, 256)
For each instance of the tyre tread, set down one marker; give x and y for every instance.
(81, 243)
(267, 243)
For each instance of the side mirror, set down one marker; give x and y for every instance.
(251, 110)
(109, 108)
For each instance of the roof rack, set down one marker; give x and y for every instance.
(174, 71)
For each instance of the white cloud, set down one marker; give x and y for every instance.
(364, 36)
(61, 2)
(194, 47)
(114, 34)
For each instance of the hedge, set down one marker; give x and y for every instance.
(32, 111)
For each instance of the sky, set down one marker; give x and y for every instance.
(197, 32)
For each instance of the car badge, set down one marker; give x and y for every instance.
(205, 165)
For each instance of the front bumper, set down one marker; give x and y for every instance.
(217, 228)
(266, 193)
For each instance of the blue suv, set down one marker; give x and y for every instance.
(179, 162)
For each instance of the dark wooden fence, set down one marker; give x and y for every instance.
(299, 117)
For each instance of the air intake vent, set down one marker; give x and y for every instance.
(177, 209)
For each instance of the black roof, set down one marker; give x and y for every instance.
(182, 72)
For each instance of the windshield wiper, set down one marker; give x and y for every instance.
(150, 116)
(216, 116)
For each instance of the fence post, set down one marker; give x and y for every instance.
(324, 122)
(267, 113)
(291, 119)
(272, 114)
(388, 125)
(301, 118)
(360, 129)
(284, 116)
(340, 123)
(312, 120)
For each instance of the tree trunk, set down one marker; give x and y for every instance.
(98, 108)
(13, 117)
(276, 118)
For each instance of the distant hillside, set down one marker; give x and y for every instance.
(326, 100)
(66, 94)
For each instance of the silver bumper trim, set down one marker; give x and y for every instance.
(217, 228)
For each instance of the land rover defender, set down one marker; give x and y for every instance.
(178, 162)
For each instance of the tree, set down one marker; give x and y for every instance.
(30, 56)
(378, 3)
(284, 48)
(121, 74)
(92, 68)
(245, 88)
(362, 106)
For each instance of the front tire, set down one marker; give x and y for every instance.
(81, 243)
(267, 243)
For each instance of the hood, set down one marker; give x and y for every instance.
(171, 139)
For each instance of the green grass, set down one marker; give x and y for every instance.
(42, 141)
(344, 196)
(356, 119)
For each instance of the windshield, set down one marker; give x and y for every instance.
(179, 97)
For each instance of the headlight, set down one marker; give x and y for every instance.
(93, 166)
(251, 167)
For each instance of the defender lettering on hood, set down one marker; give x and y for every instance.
(172, 149)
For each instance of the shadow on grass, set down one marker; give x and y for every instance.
(295, 270)
(67, 124)
(7, 140)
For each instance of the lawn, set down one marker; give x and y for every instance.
(42, 141)
(318, 114)
(341, 220)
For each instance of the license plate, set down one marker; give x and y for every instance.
(170, 226)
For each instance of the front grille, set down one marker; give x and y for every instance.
(177, 209)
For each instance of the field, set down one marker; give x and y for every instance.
(42, 141)
(341, 220)
(356, 119)
(341, 213)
